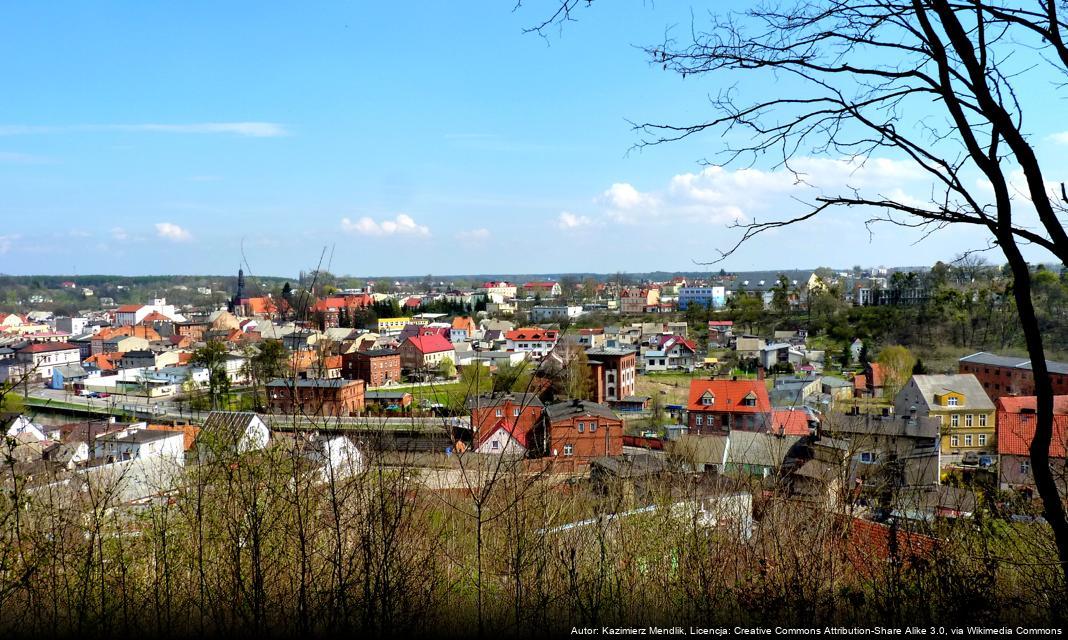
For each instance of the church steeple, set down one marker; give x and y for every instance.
(235, 302)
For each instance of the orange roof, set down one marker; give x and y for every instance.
(155, 316)
(104, 361)
(44, 347)
(129, 308)
(860, 382)
(876, 374)
(332, 362)
(1017, 404)
(790, 422)
(728, 395)
(463, 322)
(532, 334)
(1016, 430)
(432, 343)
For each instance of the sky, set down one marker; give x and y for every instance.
(405, 138)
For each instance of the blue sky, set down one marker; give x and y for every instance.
(425, 137)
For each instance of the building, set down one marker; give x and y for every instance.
(635, 300)
(706, 297)
(505, 422)
(537, 342)
(1016, 429)
(316, 397)
(133, 443)
(231, 433)
(542, 289)
(889, 451)
(967, 415)
(614, 373)
(499, 291)
(1010, 376)
(132, 314)
(562, 313)
(39, 359)
(376, 367)
(392, 325)
(580, 431)
(722, 406)
(669, 353)
(591, 338)
(425, 353)
(462, 329)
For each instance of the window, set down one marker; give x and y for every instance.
(593, 427)
(982, 439)
(954, 441)
(500, 412)
(954, 420)
(699, 421)
(569, 449)
(708, 399)
(515, 413)
(1025, 467)
(968, 420)
(581, 427)
(496, 445)
(968, 440)
(982, 419)
(953, 402)
(867, 456)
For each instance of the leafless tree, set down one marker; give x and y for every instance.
(938, 83)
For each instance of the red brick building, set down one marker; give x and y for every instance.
(719, 406)
(1010, 376)
(580, 430)
(375, 367)
(614, 373)
(517, 413)
(316, 397)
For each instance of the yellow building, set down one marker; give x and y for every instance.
(392, 325)
(967, 414)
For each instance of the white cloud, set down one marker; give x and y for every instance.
(568, 220)
(173, 232)
(119, 233)
(474, 236)
(248, 129)
(1060, 138)
(6, 242)
(622, 195)
(403, 224)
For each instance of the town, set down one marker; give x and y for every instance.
(729, 396)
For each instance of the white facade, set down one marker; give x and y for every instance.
(501, 442)
(546, 313)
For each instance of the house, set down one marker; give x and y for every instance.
(1009, 376)
(634, 300)
(66, 376)
(722, 406)
(499, 291)
(537, 342)
(560, 313)
(376, 367)
(669, 353)
(579, 430)
(542, 289)
(132, 443)
(392, 325)
(316, 397)
(39, 359)
(333, 309)
(780, 354)
(462, 329)
(967, 415)
(870, 383)
(591, 338)
(145, 359)
(793, 391)
(837, 389)
(614, 373)
(889, 451)
(425, 353)
(13, 425)
(1016, 418)
(757, 454)
(748, 347)
(232, 433)
(793, 422)
(132, 314)
(720, 332)
(505, 422)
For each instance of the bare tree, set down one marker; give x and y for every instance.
(938, 83)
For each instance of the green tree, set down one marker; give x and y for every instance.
(447, 368)
(896, 363)
(213, 356)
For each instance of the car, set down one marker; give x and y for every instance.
(970, 458)
(92, 394)
(103, 394)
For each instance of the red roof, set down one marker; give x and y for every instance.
(860, 382)
(790, 422)
(729, 395)
(721, 323)
(671, 341)
(430, 343)
(1017, 404)
(1016, 430)
(155, 316)
(45, 347)
(532, 334)
(129, 308)
(539, 285)
(876, 374)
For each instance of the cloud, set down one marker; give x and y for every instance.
(567, 220)
(1060, 138)
(403, 224)
(119, 234)
(173, 232)
(474, 236)
(6, 242)
(718, 195)
(247, 129)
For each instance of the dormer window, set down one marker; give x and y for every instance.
(953, 401)
(708, 400)
(749, 400)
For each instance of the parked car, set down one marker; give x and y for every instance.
(970, 458)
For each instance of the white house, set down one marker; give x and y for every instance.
(235, 432)
(499, 291)
(554, 313)
(139, 442)
(501, 441)
(41, 358)
(18, 425)
(339, 456)
(130, 314)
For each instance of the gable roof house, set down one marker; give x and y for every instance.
(537, 342)
(505, 422)
(425, 352)
(1016, 417)
(231, 433)
(967, 415)
(721, 406)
